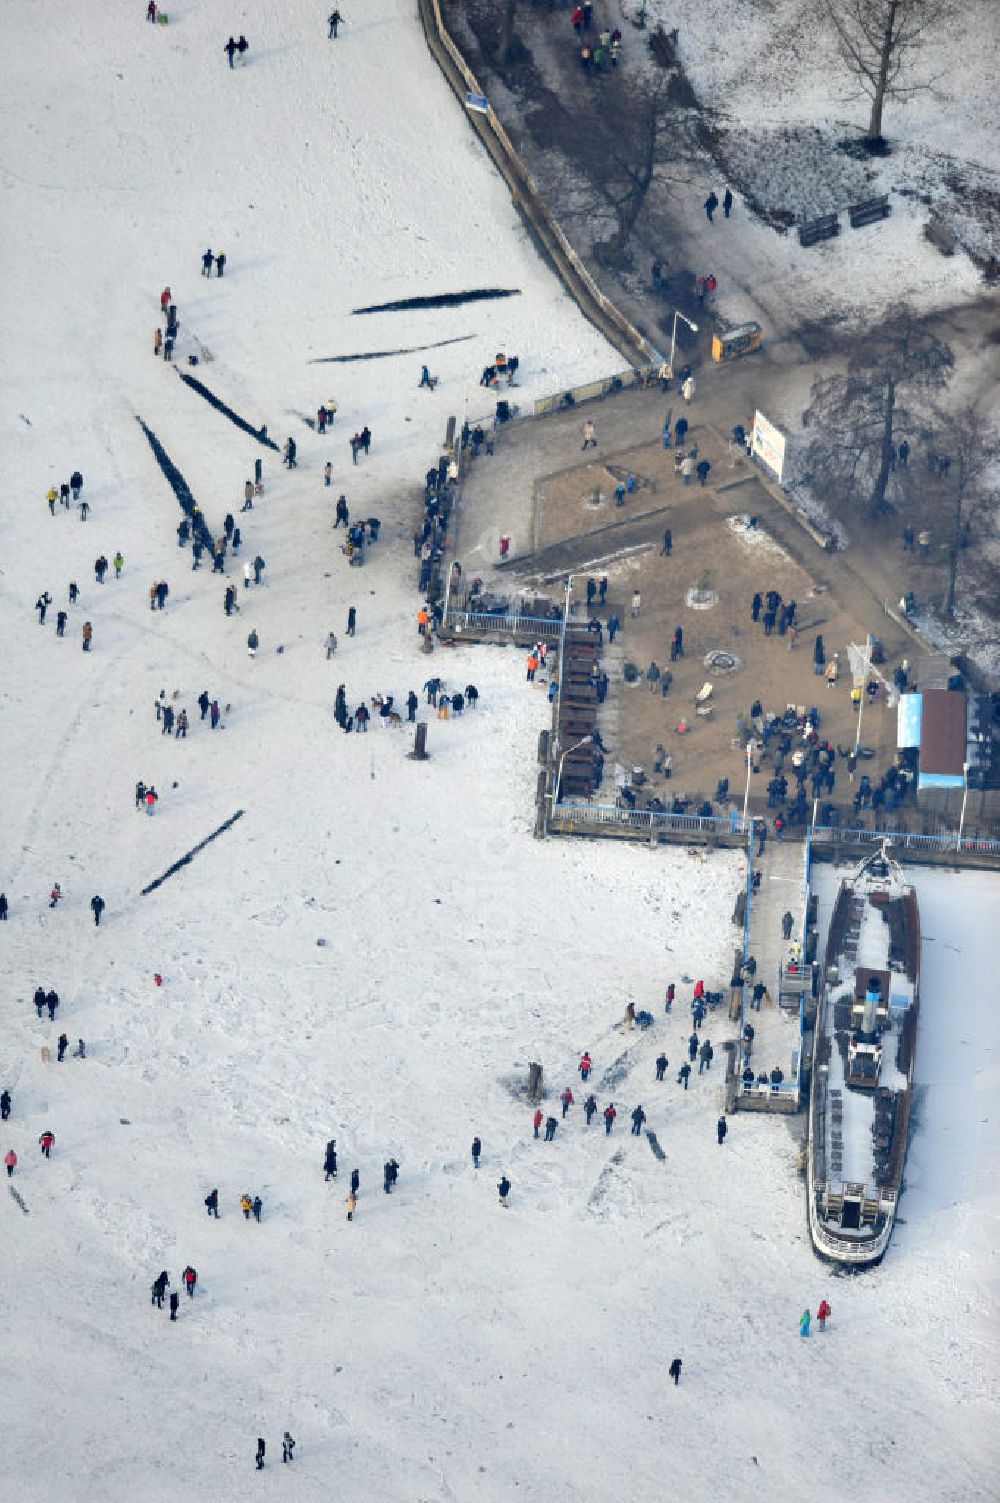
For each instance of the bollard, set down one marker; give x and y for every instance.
(534, 1082)
(419, 752)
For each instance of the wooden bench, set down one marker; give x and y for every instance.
(816, 230)
(870, 211)
(940, 237)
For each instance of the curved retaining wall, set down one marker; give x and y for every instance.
(527, 198)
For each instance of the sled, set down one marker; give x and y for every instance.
(162, 19)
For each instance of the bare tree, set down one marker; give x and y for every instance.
(972, 487)
(854, 417)
(505, 46)
(625, 150)
(878, 40)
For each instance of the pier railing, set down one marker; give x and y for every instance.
(649, 822)
(502, 623)
(903, 840)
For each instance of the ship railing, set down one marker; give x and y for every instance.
(833, 1192)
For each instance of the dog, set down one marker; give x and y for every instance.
(46, 1055)
(394, 719)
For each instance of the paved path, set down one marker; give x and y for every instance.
(498, 496)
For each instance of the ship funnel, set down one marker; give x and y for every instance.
(873, 997)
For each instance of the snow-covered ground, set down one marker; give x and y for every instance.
(378, 948)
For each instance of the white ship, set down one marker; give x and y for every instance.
(865, 1042)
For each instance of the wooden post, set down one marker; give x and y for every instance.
(419, 752)
(534, 1081)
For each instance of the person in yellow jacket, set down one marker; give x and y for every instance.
(352, 1205)
(246, 1206)
(52, 496)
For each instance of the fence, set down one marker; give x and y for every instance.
(488, 623)
(728, 831)
(591, 391)
(940, 846)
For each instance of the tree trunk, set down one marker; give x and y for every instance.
(627, 210)
(882, 82)
(885, 467)
(507, 30)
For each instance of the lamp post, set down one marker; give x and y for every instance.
(965, 795)
(864, 692)
(673, 336)
(559, 771)
(746, 797)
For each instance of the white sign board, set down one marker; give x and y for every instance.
(768, 445)
(477, 102)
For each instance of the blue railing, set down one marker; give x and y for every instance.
(486, 621)
(902, 840)
(650, 819)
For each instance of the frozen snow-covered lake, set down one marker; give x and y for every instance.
(438, 1347)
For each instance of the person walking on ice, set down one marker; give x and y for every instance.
(477, 1149)
(688, 389)
(823, 1314)
(638, 1118)
(721, 1128)
(212, 1203)
(351, 1202)
(287, 1447)
(330, 1160)
(675, 1370)
(10, 1162)
(261, 1447)
(503, 1190)
(804, 1321)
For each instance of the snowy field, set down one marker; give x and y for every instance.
(377, 948)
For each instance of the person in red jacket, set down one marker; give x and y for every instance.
(576, 16)
(609, 1118)
(537, 1120)
(823, 1314)
(669, 999)
(699, 990)
(46, 1140)
(567, 1100)
(190, 1279)
(585, 1065)
(10, 1159)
